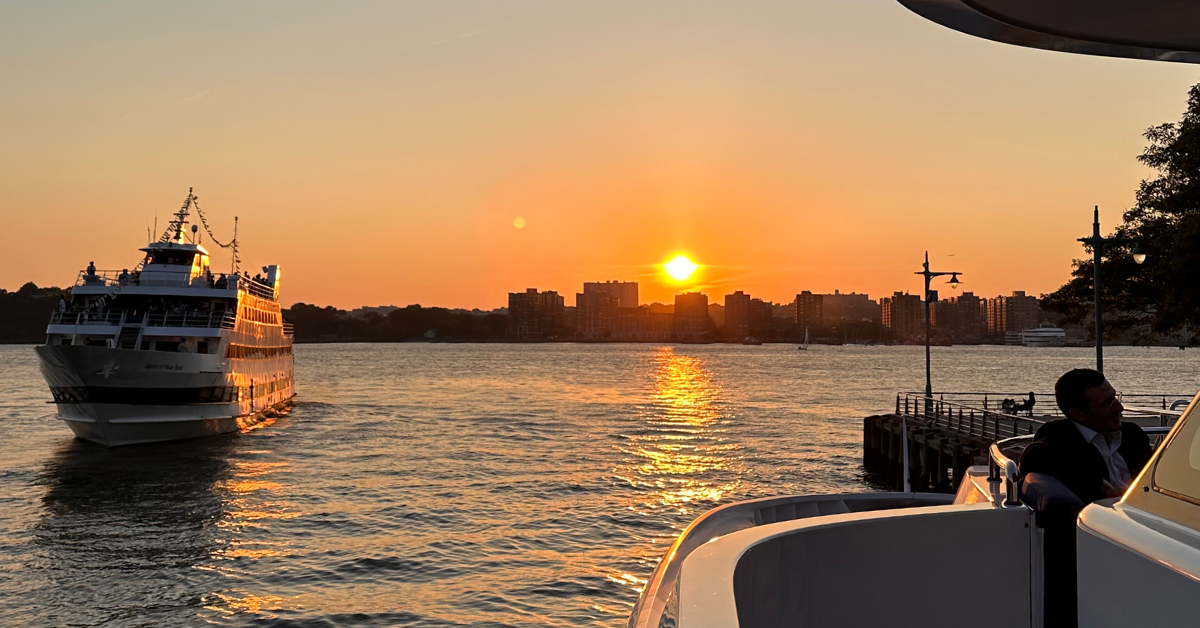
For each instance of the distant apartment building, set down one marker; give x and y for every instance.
(762, 319)
(737, 316)
(716, 312)
(662, 308)
(626, 292)
(570, 322)
(534, 315)
(959, 318)
(902, 313)
(595, 315)
(850, 306)
(692, 322)
(639, 324)
(807, 309)
(1010, 314)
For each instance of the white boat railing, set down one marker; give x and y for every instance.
(78, 317)
(223, 320)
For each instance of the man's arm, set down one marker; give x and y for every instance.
(1044, 457)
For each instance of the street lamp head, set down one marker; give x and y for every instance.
(1139, 254)
(954, 280)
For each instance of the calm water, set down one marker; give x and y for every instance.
(439, 485)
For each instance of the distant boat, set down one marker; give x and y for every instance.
(1046, 335)
(804, 347)
(751, 340)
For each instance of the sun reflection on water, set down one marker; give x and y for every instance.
(252, 499)
(681, 457)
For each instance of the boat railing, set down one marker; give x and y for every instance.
(102, 278)
(288, 329)
(210, 320)
(653, 608)
(1004, 478)
(83, 317)
(260, 290)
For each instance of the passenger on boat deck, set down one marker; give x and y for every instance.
(91, 269)
(124, 277)
(1092, 452)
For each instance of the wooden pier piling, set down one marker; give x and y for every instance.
(937, 458)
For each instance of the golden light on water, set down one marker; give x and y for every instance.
(680, 268)
(682, 457)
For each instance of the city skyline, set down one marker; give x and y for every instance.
(385, 153)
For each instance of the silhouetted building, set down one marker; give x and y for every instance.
(625, 291)
(569, 320)
(737, 316)
(692, 322)
(762, 319)
(808, 310)
(716, 312)
(970, 321)
(533, 315)
(902, 313)
(595, 315)
(1012, 314)
(850, 306)
(638, 323)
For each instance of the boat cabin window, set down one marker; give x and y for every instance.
(1178, 470)
(173, 258)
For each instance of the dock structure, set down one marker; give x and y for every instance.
(939, 437)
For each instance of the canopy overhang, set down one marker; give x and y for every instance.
(1162, 30)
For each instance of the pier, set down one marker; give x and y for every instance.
(938, 437)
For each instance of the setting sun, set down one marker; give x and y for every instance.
(680, 268)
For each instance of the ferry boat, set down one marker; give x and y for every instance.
(170, 350)
(1045, 335)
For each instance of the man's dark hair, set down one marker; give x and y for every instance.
(1068, 390)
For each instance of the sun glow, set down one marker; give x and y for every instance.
(680, 268)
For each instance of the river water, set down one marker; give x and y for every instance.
(456, 484)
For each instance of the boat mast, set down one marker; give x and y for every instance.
(180, 220)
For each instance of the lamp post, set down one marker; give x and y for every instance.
(929, 275)
(1098, 242)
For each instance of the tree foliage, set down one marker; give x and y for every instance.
(328, 324)
(24, 313)
(1161, 297)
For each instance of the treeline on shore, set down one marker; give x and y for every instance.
(329, 324)
(24, 313)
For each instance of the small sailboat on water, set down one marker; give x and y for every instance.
(804, 347)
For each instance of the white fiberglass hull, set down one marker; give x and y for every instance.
(123, 397)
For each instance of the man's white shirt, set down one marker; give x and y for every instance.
(1118, 471)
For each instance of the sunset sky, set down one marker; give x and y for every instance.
(381, 152)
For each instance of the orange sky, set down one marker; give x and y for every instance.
(380, 153)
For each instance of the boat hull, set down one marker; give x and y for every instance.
(117, 397)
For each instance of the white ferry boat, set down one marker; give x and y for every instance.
(1045, 335)
(170, 350)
